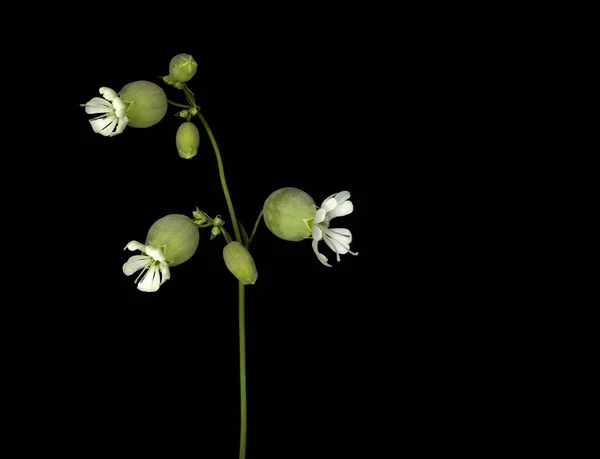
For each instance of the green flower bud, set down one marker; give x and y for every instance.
(146, 103)
(177, 235)
(286, 212)
(184, 113)
(187, 140)
(240, 263)
(193, 111)
(182, 68)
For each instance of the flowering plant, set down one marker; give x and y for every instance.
(290, 214)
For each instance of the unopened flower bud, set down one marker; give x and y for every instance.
(182, 68)
(176, 235)
(287, 213)
(187, 140)
(193, 111)
(146, 103)
(240, 263)
(184, 113)
(214, 232)
(167, 79)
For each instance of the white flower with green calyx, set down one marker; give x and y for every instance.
(113, 118)
(153, 263)
(337, 239)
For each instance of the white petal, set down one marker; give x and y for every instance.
(135, 263)
(164, 271)
(151, 281)
(317, 234)
(107, 93)
(342, 196)
(155, 253)
(121, 126)
(345, 208)
(100, 124)
(342, 232)
(329, 204)
(98, 105)
(120, 107)
(319, 216)
(135, 245)
(338, 248)
(322, 258)
(108, 130)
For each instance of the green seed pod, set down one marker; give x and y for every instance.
(177, 234)
(146, 103)
(182, 68)
(284, 210)
(240, 263)
(187, 140)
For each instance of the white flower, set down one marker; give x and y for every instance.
(338, 239)
(113, 119)
(155, 270)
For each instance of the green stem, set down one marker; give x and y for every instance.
(222, 176)
(241, 299)
(243, 399)
(255, 228)
(179, 105)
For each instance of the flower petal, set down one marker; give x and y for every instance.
(135, 245)
(151, 281)
(342, 196)
(121, 126)
(317, 234)
(342, 232)
(107, 93)
(155, 253)
(336, 246)
(345, 208)
(108, 130)
(322, 258)
(120, 107)
(135, 263)
(100, 124)
(329, 204)
(319, 216)
(98, 105)
(164, 271)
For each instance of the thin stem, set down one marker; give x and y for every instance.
(222, 176)
(255, 228)
(179, 105)
(225, 234)
(241, 298)
(243, 398)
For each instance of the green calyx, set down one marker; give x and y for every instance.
(240, 263)
(287, 212)
(187, 140)
(146, 103)
(182, 68)
(177, 235)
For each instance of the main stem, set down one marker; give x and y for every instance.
(244, 403)
(241, 296)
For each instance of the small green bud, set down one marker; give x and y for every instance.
(240, 263)
(193, 111)
(285, 212)
(177, 235)
(187, 140)
(214, 232)
(184, 113)
(146, 103)
(182, 68)
(167, 79)
(199, 215)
